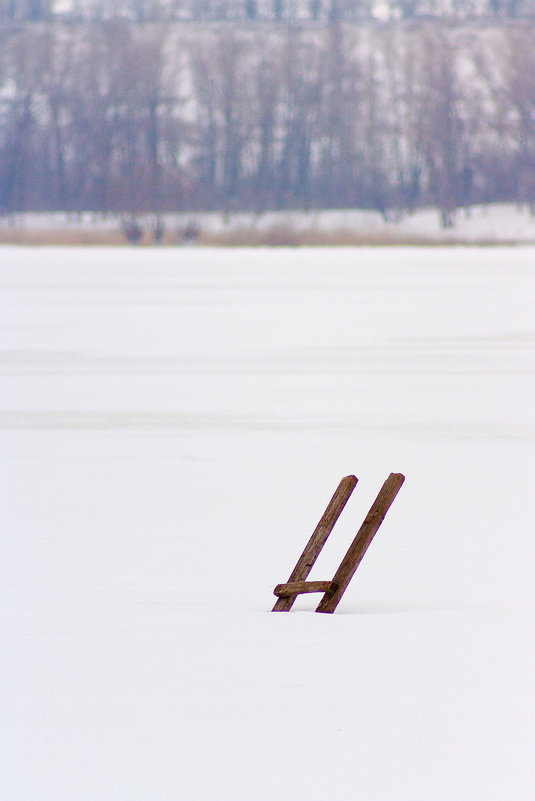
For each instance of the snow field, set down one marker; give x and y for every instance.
(173, 424)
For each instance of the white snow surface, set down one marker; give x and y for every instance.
(173, 424)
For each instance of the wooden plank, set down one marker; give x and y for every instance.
(301, 587)
(318, 539)
(360, 544)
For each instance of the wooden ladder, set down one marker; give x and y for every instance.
(334, 590)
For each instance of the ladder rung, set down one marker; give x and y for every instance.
(300, 587)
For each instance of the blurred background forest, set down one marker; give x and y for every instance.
(143, 105)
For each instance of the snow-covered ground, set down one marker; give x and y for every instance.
(495, 223)
(173, 423)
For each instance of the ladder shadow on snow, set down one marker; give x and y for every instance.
(333, 590)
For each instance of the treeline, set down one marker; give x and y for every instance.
(261, 10)
(117, 116)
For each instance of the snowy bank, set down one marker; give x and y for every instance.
(483, 225)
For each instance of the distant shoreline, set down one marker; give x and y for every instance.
(245, 239)
(482, 226)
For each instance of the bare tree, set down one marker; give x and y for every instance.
(439, 130)
(301, 94)
(223, 90)
(518, 69)
(339, 161)
(27, 59)
(267, 102)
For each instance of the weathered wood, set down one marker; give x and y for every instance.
(318, 539)
(301, 587)
(360, 544)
